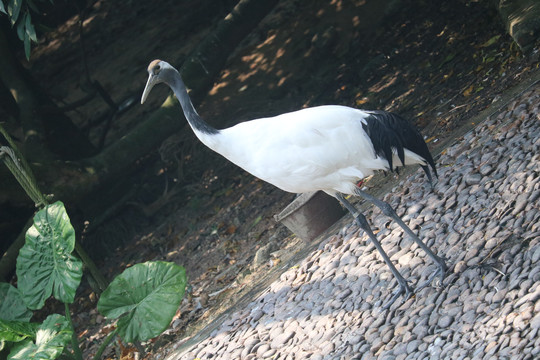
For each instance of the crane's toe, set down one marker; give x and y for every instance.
(440, 272)
(404, 289)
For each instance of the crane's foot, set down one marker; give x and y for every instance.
(403, 289)
(440, 272)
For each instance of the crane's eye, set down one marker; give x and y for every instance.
(156, 69)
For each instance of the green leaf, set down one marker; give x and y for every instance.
(16, 331)
(146, 297)
(20, 30)
(51, 338)
(45, 264)
(33, 6)
(256, 221)
(11, 304)
(2, 8)
(449, 57)
(30, 31)
(491, 41)
(27, 46)
(14, 9)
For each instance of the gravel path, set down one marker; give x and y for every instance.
(483, 216)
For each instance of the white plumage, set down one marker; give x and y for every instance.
(297, 158)
(326, 148)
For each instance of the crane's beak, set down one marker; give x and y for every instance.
(153, 79)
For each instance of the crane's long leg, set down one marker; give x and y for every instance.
(389, 211)
(364, 225)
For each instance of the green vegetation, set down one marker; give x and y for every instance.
(144, 298)
(18, 12)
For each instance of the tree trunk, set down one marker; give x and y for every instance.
(48, 133)
(34, 133)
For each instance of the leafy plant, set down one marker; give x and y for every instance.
(16, 331)
(14, 316)
(144, 298)
(46, 265)
(51, 338)
(12, 305)
(18, 12)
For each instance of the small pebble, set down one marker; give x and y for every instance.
(472, 178)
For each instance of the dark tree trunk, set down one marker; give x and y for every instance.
(48, 133)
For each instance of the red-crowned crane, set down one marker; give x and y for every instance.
(326, 148)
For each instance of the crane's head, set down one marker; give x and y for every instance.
(157, 72)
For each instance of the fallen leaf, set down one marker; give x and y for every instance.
(127, 352)
(256, 221)
(468, 91)
(448, 58)
(491, 41)
(106, 330)
(362, 101)
(447, 76)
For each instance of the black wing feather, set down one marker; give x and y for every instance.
(389, 131)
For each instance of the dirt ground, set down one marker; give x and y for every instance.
(437, 63)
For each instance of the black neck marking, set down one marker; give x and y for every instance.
(179, 89)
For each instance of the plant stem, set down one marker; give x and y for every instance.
(91, 266)
(74, 342)
(105, 343)
(22, 175)
(19, 167)
(140, 348)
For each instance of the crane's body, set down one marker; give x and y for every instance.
(298, 158)
(327, 148)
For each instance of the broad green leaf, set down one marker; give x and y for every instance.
(146, 297)
(11, 304)
(2, 8)
(51, 338)
(16, 331)
(45, 264)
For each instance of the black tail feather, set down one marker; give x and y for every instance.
(389, 131)
(428, 173)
